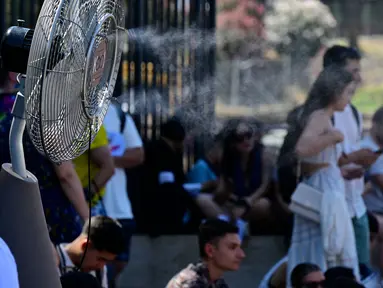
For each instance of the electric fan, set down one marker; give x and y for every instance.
(67, 69)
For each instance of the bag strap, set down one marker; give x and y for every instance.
(354, 112)
(356, 115)
(62, 265)
(122, 116)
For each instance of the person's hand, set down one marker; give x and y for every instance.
(365, 157)
(224, 190)
(337, 135)
(351, 173)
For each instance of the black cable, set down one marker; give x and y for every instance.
(89, 196)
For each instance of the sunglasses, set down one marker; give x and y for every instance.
(240, 137)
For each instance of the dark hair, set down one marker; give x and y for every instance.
(79, 280)
(335, 272)
(211, 231)
(378, 116)
(105, 234)
(377, 121)
(326, 89)
(173, 130)
(344, 282)
(219, 137)
(300, 272)
(338, 55)
(293, 115)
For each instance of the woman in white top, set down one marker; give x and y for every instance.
(316, 140)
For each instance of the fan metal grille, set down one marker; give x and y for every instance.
(66, 91)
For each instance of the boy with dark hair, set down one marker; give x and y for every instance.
(106, 241)
(335, 272)
(220, 251)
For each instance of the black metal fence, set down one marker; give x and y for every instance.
(163, 72)
(154, 84)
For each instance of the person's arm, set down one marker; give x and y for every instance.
(316, 136)
(102, 158)
(364, 157)
(72, 188)
(351, 173)
(134, 152)
(131, 158)
(224, 190)
(266, 176)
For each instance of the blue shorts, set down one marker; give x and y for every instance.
(129, 226)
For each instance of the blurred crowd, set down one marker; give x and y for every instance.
(323, 192)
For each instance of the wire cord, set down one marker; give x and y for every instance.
(89, 196)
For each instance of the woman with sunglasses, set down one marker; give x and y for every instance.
(307, 275)
(245, 173)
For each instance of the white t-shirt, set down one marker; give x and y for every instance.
(66, 265)
(9, 277)
(116, 200)
(374, 199)
(345, 121)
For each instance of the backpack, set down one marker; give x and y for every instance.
(286, 172)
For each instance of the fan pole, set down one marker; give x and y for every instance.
(22, 221)
(16, 133)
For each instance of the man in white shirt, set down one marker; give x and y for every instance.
(126, 148)
(8, 269)
(106, 241)
(349, 122)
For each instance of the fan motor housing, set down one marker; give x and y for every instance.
(15, 47)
